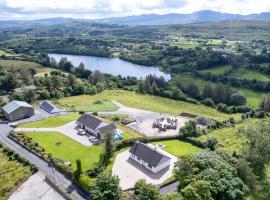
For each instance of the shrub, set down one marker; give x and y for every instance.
(238, 99)
(208, 102)
(190, 129)
(95, 171)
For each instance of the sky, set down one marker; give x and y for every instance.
(93, 9)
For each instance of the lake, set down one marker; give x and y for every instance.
(114, 66)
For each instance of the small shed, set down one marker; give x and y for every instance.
(16, 110)
(49, 107)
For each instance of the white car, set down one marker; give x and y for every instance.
(81, 131)
(93, 139)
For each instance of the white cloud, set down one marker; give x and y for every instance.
(106, 8)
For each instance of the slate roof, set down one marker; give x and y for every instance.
(148, 154)
(14, 105)
(95, 123)
(107, 129)
(49, 107)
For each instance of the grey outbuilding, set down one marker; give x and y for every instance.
(16, 110)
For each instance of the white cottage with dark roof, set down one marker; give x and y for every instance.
(149, 157)
(16, 110)
(95, 126)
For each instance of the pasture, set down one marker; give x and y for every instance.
(80, 103)
(12, 174)
(149, 102)
(17, 64)
(229, 139)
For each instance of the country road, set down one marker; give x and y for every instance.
(75, 192)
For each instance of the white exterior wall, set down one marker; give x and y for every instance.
(153, 169)
(162, 166)
(87, 129)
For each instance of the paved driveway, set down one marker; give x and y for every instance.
(130, 171)
(36, 188)
(70, 130)
(145, 120)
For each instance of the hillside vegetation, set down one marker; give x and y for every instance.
(149, 102)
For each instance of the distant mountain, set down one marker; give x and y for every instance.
(174, 18)
(151, 19)
(37, 22)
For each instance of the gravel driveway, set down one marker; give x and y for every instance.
(145, 120)
(129, 171)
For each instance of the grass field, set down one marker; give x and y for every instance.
(243, 73)
(68, 150)
(79, 103)
(2, 52)
(51, 122)
(253, 98)
(16, 64)
(178, 148)
(128, 133)
(152, 103)
(229, 137)
(218, 70)
(12, 174)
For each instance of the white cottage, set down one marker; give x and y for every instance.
(95, 126)
(149, 157)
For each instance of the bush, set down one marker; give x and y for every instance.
(190, 129)
(238, 99)
(208, 102)
(211, 143)
(95, 171)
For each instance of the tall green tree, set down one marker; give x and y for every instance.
(209, 172)
(208, 91)
(108, 150)
(144, 191)
(106, 187)
(257, 151)
(265, 103)
(78, 171)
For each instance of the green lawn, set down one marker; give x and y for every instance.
(2, 52)
(229, 137)
(243, 73)
(153, 103)
(12, 174)
(185, 44)
(178, 148)
(68, 150)
(218, 70)
(93, 104)
(17, 64)
(51, 122)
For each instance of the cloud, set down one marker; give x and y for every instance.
(28, 9)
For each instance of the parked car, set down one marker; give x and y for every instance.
(81, 131)
(13, 125)
(93, 139)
